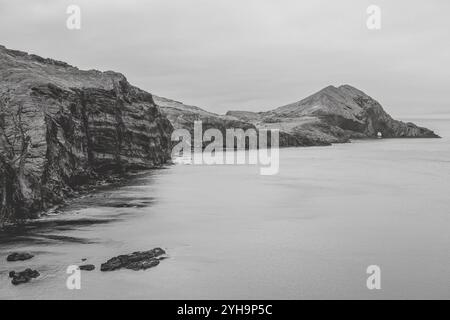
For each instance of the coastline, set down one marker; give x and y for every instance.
(318, 189)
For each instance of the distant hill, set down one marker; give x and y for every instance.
(333, 115)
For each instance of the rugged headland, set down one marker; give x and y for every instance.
(62, 128)
(182, 116)
(334, 115)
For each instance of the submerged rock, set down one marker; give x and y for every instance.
(87, 267)
(23, 277)
(19, 256)
(135, 261)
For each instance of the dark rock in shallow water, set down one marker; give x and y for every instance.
(23, 277)
(135, 261)
(19, 256)
(143, 265)
(87, 267)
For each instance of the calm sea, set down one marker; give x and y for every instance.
(309, 232)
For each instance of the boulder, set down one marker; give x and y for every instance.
(87, 267)
(23, 277)
(135, 261)
(19, 256)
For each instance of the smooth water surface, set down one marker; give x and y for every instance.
(309, 232)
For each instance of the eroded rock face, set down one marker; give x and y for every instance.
(183, 116)
(61, 128)
(135, 261)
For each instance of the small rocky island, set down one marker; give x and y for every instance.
(62, 128)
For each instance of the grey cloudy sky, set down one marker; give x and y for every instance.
(249, 54)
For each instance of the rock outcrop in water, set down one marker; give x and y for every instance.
(334, 115)
(19, 256)
(23, 276)
(87, 267)
(61, 128)
(135, 261)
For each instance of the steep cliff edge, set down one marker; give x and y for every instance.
(61, 128)
(333, 115)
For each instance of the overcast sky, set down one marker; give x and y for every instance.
(249, 54)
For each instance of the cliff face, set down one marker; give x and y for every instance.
(61, 127)
(334, 115)
(182, 116)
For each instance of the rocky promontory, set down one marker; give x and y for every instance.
(334, 115)
(61, 128)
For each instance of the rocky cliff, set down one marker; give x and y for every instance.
(61, 128)
(182, 116)
(333, 115)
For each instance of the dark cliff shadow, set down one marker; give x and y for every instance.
(113, 203)
(46, 231)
